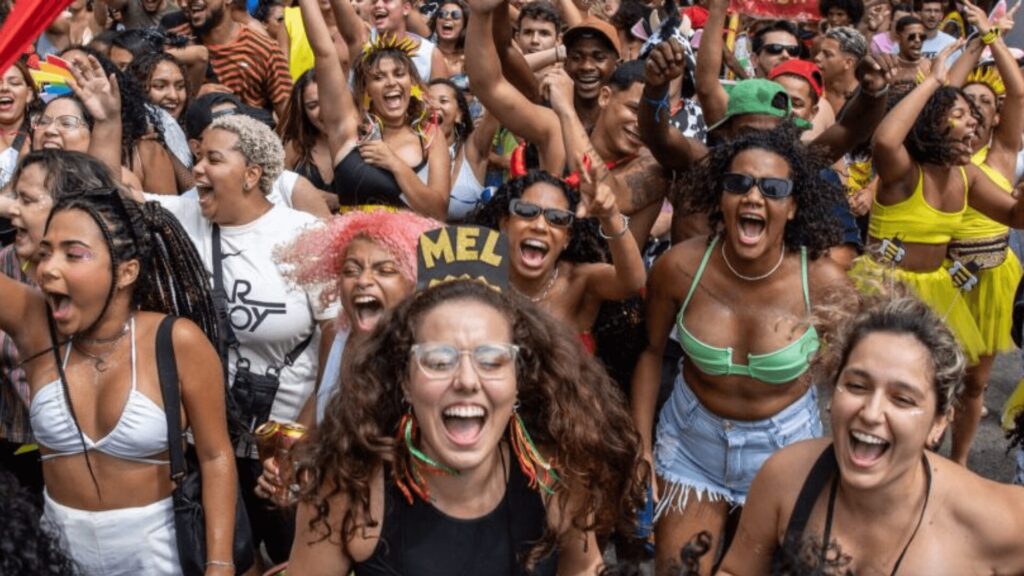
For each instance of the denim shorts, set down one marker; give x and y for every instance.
(718, 458)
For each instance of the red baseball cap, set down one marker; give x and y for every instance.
(802, 68)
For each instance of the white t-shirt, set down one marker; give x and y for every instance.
(270, 316)
(932, 46)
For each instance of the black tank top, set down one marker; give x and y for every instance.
(308, 170)
(358, 184)
(420, 540)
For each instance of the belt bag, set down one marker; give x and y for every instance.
(189, 516)
(985, 252)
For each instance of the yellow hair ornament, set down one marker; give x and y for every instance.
(391, 42)
(989, 76)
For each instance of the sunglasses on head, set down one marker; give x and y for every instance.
(455, 14)
(776, 49)
(554, 216)
(774, 188)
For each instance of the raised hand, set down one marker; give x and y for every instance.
(1005, 24)
(665, 63)
(99, 93)
(557, 87)
(977, 17)
(377, 153)
(940, 70)
(596, 198)
(876, 71)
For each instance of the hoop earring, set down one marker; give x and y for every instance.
(537, 469)
(409, 472)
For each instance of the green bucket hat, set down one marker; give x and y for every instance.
(758, 96)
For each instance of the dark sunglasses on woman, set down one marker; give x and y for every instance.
(554, 216)
(774, 188)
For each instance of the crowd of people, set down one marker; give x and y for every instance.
(435, 287)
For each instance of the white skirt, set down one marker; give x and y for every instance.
(126, 541)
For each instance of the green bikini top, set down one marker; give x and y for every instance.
(779, 367)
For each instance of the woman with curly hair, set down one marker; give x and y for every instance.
(473, 437)
(740, 301)
(897, 374)
(468, 145)
(164, 80)
(109, 271)
(554, 259)
(448, 31)
(401, 159)
(922, 153)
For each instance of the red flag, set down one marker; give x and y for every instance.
(797, 10)
(27, 20)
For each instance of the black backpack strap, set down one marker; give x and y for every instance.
(167, 368)
(824, 467)
(292, 356)
(220, 301)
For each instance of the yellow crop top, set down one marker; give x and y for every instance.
(976, 225)
(914, 220)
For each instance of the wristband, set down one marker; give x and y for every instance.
(619, 234)
(989, 37)
(881, 92)
(219, 564)
(659, 105)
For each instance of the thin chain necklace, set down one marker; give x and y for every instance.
(547, 288)
(100, 360)
(753, 278)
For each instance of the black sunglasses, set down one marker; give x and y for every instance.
(774, 188)
(455, 14)
(554, 216)
(915, 37)
(776, 49)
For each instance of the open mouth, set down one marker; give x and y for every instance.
(393, 100)
(380, 18)
(866, 449)
(633, 136)
(588, 82)
(367, 311)
(464, 423)
(171, 107)
(195, 9)
(60, 305)
(53, 144)
(751, 228)
(534, 251)
(6, 103)
(448, 28)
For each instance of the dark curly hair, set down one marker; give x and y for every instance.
(567, 401)
(25, 547)
(138, 118)
(926, 143)
(464, 127)
(584, 243)
(815, 225)
(142, 67)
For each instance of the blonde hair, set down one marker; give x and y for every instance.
(258, 143)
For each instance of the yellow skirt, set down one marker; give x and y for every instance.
(991, 304)
(935, 289)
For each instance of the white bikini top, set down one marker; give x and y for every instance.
(140, 432)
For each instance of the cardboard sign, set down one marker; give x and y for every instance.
(462, 253)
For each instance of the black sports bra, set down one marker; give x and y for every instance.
(357, 183)
(420, 540)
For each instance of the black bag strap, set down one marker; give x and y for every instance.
(167, 368)
(815, 483)
(220, 301)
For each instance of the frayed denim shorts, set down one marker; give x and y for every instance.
(717, 458)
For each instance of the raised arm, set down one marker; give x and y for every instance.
(986, 197)
(710, 93)
(353, 30)
(514, 65)
(865, 110)
(101, 96)
(891, 159)
(1006, 139)
(514, 111)
(669, 146)
(626, 276)
(337, 107)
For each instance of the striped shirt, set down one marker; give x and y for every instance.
(254, 68)
(14, 422)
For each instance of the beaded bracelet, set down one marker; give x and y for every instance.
(659, 105)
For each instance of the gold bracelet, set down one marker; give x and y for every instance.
(220, 564)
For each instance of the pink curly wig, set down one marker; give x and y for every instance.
(314, 259)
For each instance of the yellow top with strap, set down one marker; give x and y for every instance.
(975, 224)
(914, 220)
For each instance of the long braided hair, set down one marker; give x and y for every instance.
(172, 279)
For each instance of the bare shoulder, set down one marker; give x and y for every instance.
(825, 272)
(675, 269)
(993, 512)
(782, 476)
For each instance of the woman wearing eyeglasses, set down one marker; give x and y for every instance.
(448, 25)
(513, 449)
(740, 302)
(554, 255)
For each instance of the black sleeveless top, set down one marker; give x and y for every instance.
(358, 184)
(308, 170)
(420, 540)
